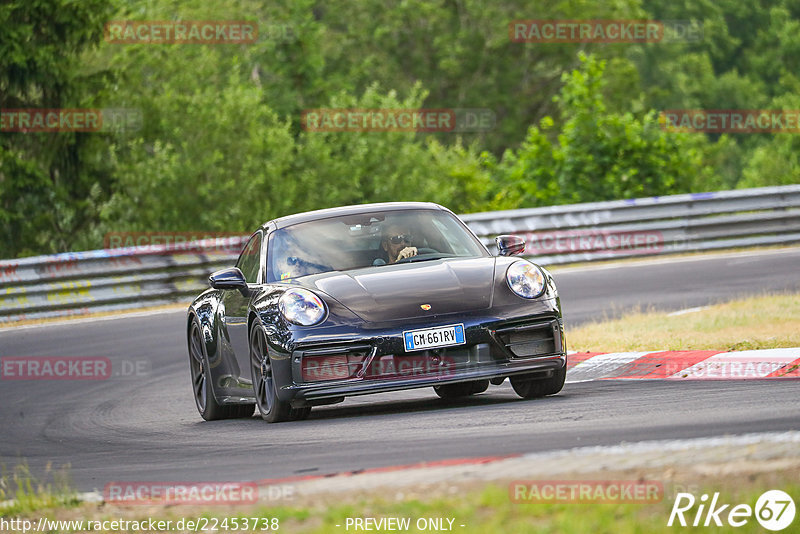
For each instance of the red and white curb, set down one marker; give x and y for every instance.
(684, 365)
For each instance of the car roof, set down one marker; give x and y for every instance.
(289, 220)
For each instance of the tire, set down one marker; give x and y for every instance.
(272, 409)
(462, 389)
(534, 388)
(204, 398)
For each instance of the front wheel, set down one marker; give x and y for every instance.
(533, 388)
(273, 410)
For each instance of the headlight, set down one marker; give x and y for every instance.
(301, 306)
(525, 279)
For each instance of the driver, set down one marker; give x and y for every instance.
(395, 243)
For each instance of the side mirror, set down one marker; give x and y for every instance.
(509, 245)
(231, 278)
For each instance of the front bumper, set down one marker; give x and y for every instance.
(542, 367)
(495, 347)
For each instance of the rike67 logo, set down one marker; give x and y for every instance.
(774, 510)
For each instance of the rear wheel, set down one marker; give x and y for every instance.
(273, 410)
(204, 398)
(462, 389)
(531, 388)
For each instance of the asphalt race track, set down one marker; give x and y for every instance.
(145, 426)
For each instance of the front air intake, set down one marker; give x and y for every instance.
(531, 340)
(334, 363)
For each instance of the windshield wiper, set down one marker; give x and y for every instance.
(427, 257)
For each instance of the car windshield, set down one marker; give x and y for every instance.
(367, 240)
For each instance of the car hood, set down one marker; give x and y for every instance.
(394, 292)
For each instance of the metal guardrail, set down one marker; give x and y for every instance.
(677, 223)
(82, 282)
(77, 283)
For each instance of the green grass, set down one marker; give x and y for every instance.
(23, 493)
(490, 510)
(762, 322)
(483, 510)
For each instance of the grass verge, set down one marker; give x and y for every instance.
(762, 322)
(21, 493)
(178, 306)
(488, 508)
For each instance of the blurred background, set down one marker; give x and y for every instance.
(218, 143)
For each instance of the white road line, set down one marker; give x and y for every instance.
(739, 440)
(602, 365)
(688, 310)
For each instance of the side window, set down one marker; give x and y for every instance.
(250, 259)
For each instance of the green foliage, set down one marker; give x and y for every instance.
(221, 147)
(22, 493)
(355, 167)
(216, 159)
(47, 192)
(221, 159)
(462, 53)
(599, 155)
(777, 160)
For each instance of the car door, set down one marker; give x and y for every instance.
(236, 305)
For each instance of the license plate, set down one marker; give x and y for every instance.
(441, 336)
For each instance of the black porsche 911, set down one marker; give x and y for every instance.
(368, 299)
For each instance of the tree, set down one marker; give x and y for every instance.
(599, 155)
(47, 191)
